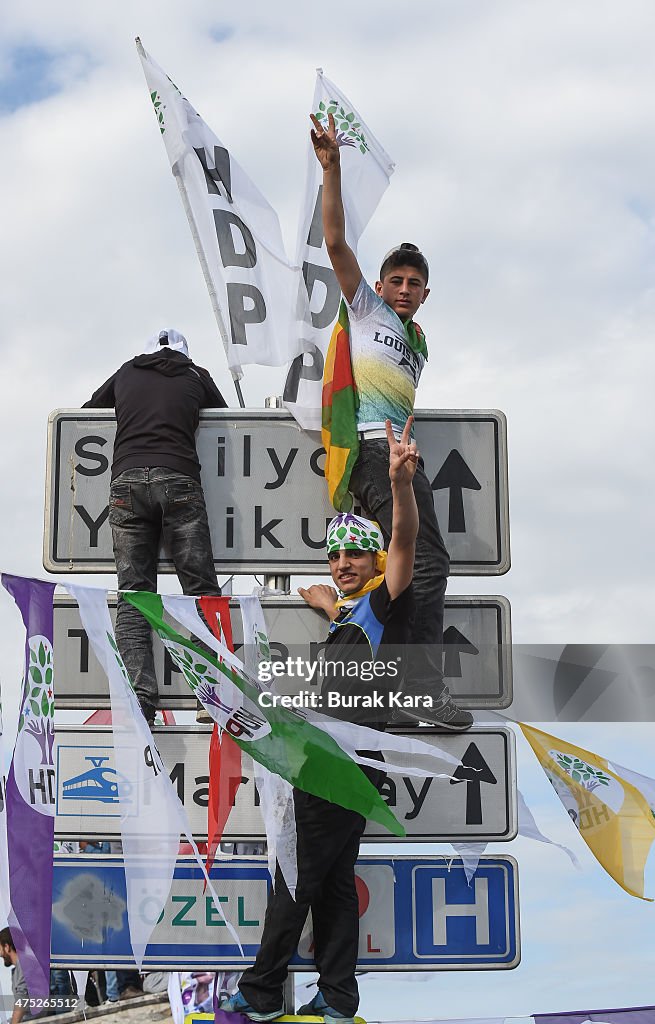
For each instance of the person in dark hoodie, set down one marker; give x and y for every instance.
(155, 493)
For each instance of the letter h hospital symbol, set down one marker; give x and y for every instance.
(441, 911)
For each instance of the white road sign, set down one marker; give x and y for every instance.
(477, 652)
(479, 803)
(265, 492)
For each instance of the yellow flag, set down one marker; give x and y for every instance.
(613, 815)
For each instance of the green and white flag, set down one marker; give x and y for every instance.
(279, 738)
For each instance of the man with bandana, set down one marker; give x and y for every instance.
(388, 352)
(155, 493)
(374, 608)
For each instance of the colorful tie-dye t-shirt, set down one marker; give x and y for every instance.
(385, 368)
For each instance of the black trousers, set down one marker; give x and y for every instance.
(370, 485)
(146, 506)
(328, 845)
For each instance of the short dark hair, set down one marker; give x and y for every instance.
(405, 255)
(6, 939)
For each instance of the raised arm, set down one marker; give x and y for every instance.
(104, 397)
(403, 460)
(343, 259)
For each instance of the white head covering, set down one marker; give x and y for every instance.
(168, 338)
(348, 532)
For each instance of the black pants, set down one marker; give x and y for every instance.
(370, 486)
(147, 506)
(328, 845)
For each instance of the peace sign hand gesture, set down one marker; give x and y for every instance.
(324, 141)
(403, 455)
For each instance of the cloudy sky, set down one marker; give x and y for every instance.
(525, 151)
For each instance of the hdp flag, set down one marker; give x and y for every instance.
(258, 296)
(366, 170)
(277, 737)
(30, 793)
(612, 814)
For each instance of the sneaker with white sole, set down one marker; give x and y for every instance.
(444, 713)
(237, 1004)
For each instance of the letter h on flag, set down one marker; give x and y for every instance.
(30, 794)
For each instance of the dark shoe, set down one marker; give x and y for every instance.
(319, 1008)
(130, 993)
(237, 1004)
(202, 715)
(149, 712)
(444, 713)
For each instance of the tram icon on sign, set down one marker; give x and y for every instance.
(98, 783)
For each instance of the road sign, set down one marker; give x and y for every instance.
(478, 804)
(477, 659)
(265, 492)
(415, 914)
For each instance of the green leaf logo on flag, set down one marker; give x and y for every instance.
(160, 107)
(349, 131)
(38, 706)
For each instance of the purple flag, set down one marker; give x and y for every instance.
(30, 795)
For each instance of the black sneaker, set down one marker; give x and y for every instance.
(444, 713)
(149, 712)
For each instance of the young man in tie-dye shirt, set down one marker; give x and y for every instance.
(388, 353)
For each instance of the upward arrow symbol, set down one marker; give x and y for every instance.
(455, 644)
(454, 476)
(473, 770)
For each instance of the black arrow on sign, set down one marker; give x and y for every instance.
(454, 476)
(473, 770)
(455, 644)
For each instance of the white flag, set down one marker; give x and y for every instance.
(276, 794)
(365, 173)
(152, 816)
(258, 297)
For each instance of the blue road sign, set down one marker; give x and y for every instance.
(416, 913)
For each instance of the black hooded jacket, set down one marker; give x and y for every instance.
(157, 399)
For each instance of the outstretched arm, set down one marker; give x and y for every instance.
(403, 460)
(343, 259)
